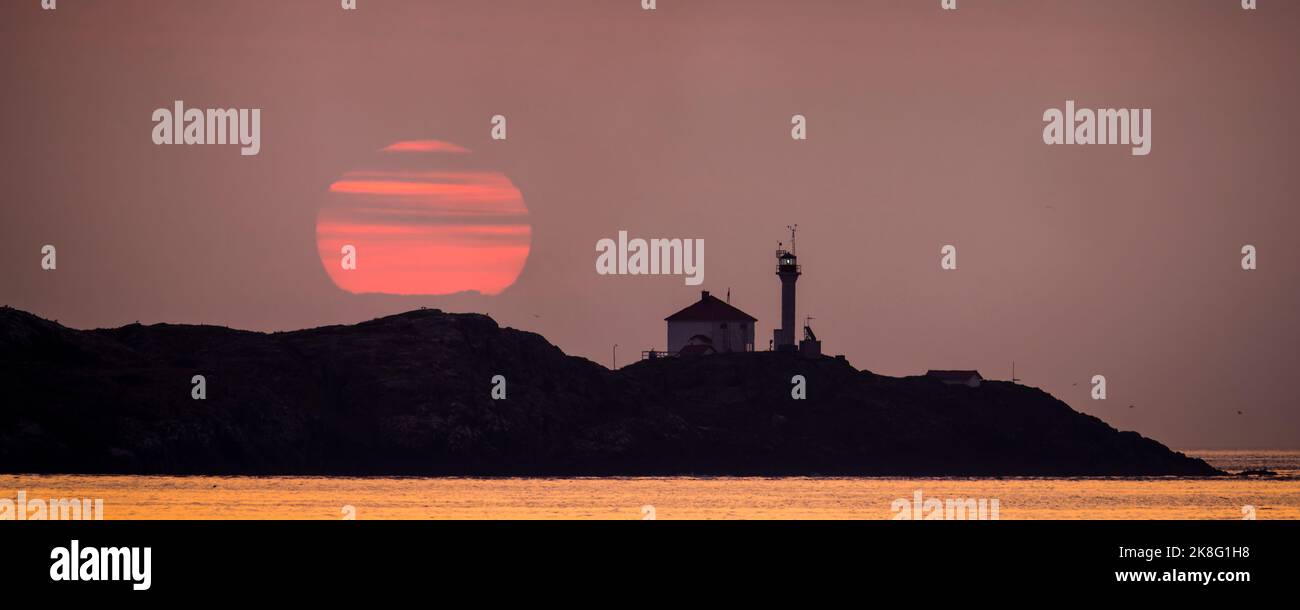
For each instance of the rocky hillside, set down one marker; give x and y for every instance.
(411, 394)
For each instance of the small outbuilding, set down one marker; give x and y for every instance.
(967, 378)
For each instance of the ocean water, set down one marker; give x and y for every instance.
(204, 497)
(1285, 463)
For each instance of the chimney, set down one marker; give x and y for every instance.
(704, 295)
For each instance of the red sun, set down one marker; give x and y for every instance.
(424, 219)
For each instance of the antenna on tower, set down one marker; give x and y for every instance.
(792, 228)
(808, 334)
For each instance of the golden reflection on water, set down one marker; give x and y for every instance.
(202, 497)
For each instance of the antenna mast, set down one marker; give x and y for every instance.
(792, 228)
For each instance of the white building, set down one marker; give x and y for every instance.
(710, 325)
(970, 379)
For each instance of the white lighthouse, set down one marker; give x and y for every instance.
(787, 268)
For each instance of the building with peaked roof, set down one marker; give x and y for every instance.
(710, 325)
(966, 378)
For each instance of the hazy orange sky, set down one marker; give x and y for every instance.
(924, 129)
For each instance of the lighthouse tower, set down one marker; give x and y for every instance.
(787, 268)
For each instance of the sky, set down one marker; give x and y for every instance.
(924, 129)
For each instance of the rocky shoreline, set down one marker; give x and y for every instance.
(412, 394)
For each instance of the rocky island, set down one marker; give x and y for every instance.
(411, 394)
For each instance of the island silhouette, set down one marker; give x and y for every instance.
(412, 394)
